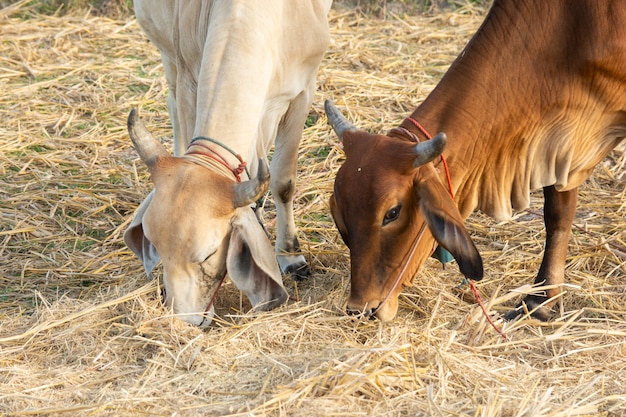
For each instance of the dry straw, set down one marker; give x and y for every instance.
(84, 333)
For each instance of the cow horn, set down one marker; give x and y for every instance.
(248, 192)
(337, 120)
(148, 148)
(428, 150)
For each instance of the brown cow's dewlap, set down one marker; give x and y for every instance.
(84, 332)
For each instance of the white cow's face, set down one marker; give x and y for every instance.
(189, 223)
(199, 223)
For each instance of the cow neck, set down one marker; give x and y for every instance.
(207, 156)
(428, 136)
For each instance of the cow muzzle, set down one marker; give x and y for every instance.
(357, 312)
(374, 309)
(191, 297)
(201, 317)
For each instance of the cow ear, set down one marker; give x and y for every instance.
(138, 242)
(445, 224)
(251, 262)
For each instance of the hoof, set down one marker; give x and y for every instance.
(295, 266)
(533, 305)
(299, 272)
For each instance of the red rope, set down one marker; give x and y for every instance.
(218, 158)
(479, 300)
(445, 167)
(214, 296)
(471, 281)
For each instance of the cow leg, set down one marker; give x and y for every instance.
(283, 186)
(559, 210)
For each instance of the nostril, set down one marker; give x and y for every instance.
(353, 312)
(370, 313)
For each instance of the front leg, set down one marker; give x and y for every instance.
(559, 210)
(288, 254)
(283, 187)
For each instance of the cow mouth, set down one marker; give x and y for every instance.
(383, 312)
(201, 312)
(362, 313)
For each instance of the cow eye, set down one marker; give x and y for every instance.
(209, 256)
(391, 215)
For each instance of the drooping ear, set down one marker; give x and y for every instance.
(138, 242)
(446, 225)
(251, 262)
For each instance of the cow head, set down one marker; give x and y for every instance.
(391, 210)
(200, 224)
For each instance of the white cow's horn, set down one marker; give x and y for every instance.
(337, 120)
(428, 150)
(148, 148)
(248, 192)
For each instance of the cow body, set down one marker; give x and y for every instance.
(535, 101)
(241, 78)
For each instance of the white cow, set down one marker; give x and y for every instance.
(241, 75)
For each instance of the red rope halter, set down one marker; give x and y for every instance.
(218, 158)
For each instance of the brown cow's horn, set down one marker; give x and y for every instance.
(248, 192)
(337, 120)
(148, 148)
(428, 150)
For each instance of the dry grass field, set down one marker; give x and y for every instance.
(84, 333)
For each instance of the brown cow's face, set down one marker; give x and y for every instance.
(380, 204)
(376, 212)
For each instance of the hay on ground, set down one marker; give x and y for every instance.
(84, 333)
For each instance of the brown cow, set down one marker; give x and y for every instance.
(536, 100)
